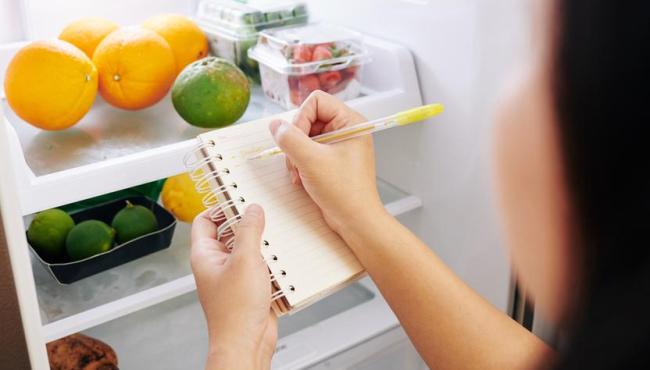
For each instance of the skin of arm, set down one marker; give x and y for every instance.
(451, 326)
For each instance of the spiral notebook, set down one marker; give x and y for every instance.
(307, 261)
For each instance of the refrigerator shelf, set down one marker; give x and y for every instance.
(112, 149)
(336, 324)
(148, 281)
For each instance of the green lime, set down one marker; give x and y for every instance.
(48, 231)
(211, 92)
(89, 238)
(133, 221)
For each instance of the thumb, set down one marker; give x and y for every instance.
(299, 147)
(248, 233)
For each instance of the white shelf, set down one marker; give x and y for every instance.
(335, 324)
(112, 149)
(67, 309)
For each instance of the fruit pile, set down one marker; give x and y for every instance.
(331, 81)
(52, 84)
(55, 237)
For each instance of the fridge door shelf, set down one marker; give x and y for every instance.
(148, 281)
(112, 149)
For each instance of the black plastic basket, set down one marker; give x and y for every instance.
(66, 272)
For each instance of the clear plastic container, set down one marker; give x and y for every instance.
(232, 27)
(298, 60)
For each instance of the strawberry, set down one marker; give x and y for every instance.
(308, 83)
(329, 79)
(321, 53)
(301, 87)
(293, 82)
(340, 86)
(351, 71)
(302, 53)
(296, 99)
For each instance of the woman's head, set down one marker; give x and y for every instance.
(571, 163)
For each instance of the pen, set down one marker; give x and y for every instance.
(396, 120)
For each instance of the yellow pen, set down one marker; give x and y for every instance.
(396, 120)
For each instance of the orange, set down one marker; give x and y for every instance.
(87, 33)
(186, 39)
(50, 84)
(136, 67)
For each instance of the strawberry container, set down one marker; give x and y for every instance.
(232, 27)
(295, 61)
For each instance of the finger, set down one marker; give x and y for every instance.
(209, 248)
(350, 119)
(299, 147)
(290, 166)
(203, 226)
(317, 128)
(318, 106)
(248, 233)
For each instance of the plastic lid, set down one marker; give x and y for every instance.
(248, 17)
(309, 49)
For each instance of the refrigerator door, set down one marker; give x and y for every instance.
(462, 50)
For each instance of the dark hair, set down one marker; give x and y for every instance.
(602, 98)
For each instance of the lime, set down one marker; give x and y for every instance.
(89, 238)
(48, 231)
(133, 221)
(211, 92)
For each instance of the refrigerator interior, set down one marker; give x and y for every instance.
(435, 177)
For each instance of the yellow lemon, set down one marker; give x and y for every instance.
(179, 196)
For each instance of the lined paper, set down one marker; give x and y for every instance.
(316, 260)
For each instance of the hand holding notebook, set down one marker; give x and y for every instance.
(307, 260)
(234, 291)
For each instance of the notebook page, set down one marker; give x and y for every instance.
(316, 261)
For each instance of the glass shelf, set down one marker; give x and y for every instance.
(59, 301)
(180, 324)
(107, 133)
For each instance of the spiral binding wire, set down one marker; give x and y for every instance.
(196, 162)
(277, 295)
(202, 184)
(193, 160)
(217, 213)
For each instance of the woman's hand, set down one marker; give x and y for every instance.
(339, 177)
(235, 292)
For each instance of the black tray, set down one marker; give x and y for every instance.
(66, 272)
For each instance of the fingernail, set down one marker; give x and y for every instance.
(253, 210)
(294, 178)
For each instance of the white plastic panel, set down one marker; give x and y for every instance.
(41, 24)
(463, 51)
(11, 21)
